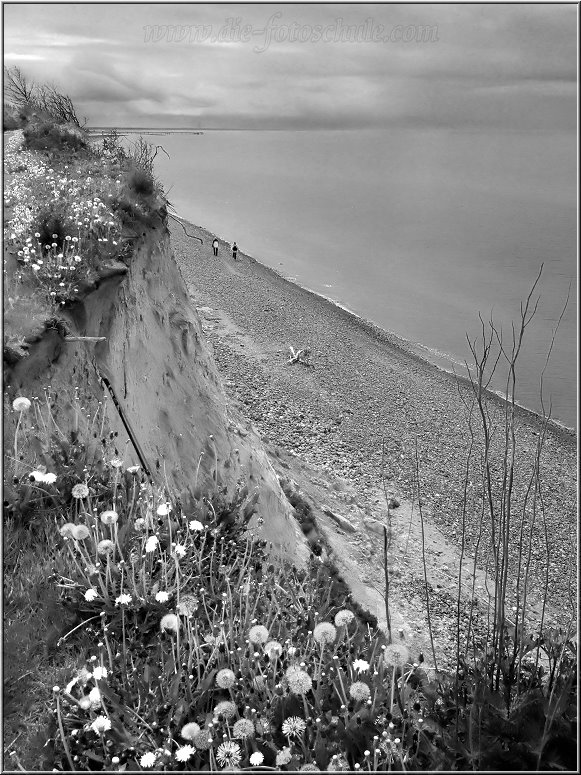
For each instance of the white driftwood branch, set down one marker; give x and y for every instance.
(85, 338)
(299, 356)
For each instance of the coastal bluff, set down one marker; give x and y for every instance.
(133, 345)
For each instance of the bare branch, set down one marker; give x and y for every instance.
(17, 88)
(193, 236)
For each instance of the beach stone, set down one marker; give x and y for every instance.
(343, 522)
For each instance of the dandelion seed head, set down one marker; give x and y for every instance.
(360, 665)
(99, 673)
(188, 605)
(67, 529)
(169, 622)
(162, 597)
(123, 599)
(109, 517)
(80, 491)
(226, 709)
(106, 546)
(229, 753)
(293, 726)
(80, 532)
(225, 678)
(273, 648)
(396, 654)
(190, 730)
(256, 758)
(163, 509)
(258, 634)
(324, 633)
(299, 682)
(21, 404)
(359, 691)
(196, 525)
(243, 728)
(202, 740)
(344, 617)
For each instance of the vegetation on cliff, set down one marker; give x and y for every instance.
(144, 633)
(177, 643)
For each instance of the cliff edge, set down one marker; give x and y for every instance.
(135, 343)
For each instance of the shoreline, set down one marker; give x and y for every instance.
(394, 340)
(370, 412)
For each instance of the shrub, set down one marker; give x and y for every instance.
(48, 136)
(10, 118)
(140, 183)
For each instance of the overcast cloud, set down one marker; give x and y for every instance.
(509, 67)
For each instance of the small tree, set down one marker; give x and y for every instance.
(58, 106)
(46, 98)
(18, 90)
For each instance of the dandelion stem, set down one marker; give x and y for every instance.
(62, 733)
(392, 689)
(198, 469)
(16, 444)
(70, 632)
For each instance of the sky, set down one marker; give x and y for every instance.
(308, 66)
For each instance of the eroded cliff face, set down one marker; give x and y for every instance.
(145, 352)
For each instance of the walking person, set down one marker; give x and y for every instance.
(215, 246)
(234, 251)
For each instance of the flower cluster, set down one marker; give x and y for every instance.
(39, 198)
(190, 627)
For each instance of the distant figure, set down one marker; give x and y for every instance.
(215, 246)
(234, 251)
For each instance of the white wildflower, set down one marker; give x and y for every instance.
(147, 760)
(101, 724)
(151, 544)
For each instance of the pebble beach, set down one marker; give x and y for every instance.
(365, 404)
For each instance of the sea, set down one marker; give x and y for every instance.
(428, 233)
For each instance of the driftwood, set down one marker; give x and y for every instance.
(85, 338)
(299, 356)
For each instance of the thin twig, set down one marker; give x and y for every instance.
(424, 557)
(385, 545)
(193, 236)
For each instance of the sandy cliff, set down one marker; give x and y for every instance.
(164, 400)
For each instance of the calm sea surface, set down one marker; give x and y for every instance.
(416, 230)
